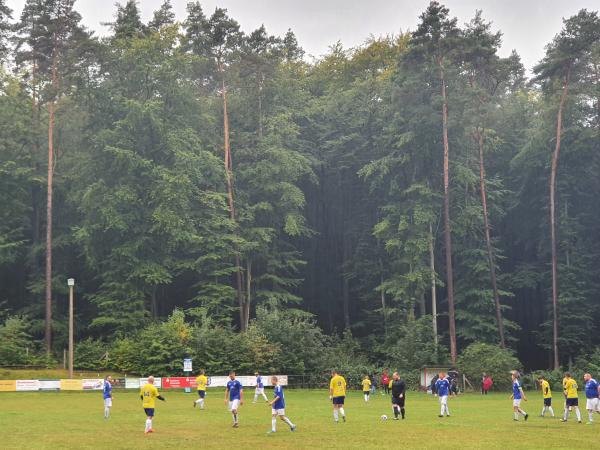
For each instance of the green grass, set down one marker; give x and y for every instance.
(74, 420)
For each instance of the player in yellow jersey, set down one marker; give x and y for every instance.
(572, 399)
(201, 384)
(547, 395)
(366, 387)
(148, 394)
(337, 393)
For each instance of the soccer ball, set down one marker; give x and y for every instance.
(383, 417)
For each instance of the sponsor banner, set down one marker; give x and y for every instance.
(28, 385)
(49, 385)
(119, 383)
(132, 383)
(247, 381)
(157, 382)
(8, 385)
(71, 385)
(178, 382)
(92, 384)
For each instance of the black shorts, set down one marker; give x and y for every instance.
(338, 400)
(201, 394)
(572, 402)
(398, 401)
(149, 412)
(548, 402)
(366, 392)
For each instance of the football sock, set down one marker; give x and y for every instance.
(442, 409)
(342, 412)
(522, 412)
(335, 415)
(255, 397)
(566, 416)
(273, 424)
(235, 419)
(591, 416)
(148, 424)
(201, 403)
(551, 411)
(516, 416)
(578, 414)
(395, 411)
(265, 397)
(366, 398)
(402, 412)
(106, 412)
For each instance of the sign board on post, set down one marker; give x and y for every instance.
(187, 369)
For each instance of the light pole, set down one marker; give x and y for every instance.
(71, 284)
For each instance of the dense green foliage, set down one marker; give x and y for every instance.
(495, 362)
(322, 235)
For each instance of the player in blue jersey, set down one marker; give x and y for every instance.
(107, 395)
(234, 397)
(592, 395)
(442, 387)
(278, 406)
(517, 396)
(260, 388)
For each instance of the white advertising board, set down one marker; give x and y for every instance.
(92, 384)
(49, 385)
(157, 382)
(28, 385)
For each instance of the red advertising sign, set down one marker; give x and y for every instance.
(178, 382)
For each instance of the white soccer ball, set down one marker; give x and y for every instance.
(383, 417)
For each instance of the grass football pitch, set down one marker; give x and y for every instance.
(54, 420)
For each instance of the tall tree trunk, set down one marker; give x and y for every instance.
(230, 199)
(382, 297)
(488, 240)
(447, 226)
(51, 113)
(248, 294)
(345, 282)
(261, 78)
(433, 290)
(554, 167)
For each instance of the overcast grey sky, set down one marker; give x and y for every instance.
(527, 25)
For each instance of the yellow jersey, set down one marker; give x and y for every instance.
(149, 393)
(570, 387)
(338, 386)
(546, 391)
(201, 382)
(366, 384)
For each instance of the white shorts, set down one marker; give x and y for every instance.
(278, 412)
(444, 400)
(593, 404)
(234, 404)
(107, 402)
(260, 391)
(517, 402)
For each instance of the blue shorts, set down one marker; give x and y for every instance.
(338, 400)
(548, 401)
(201, 394)
(149, 412)
(572, 402)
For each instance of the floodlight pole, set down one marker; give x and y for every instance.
(71, 284)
